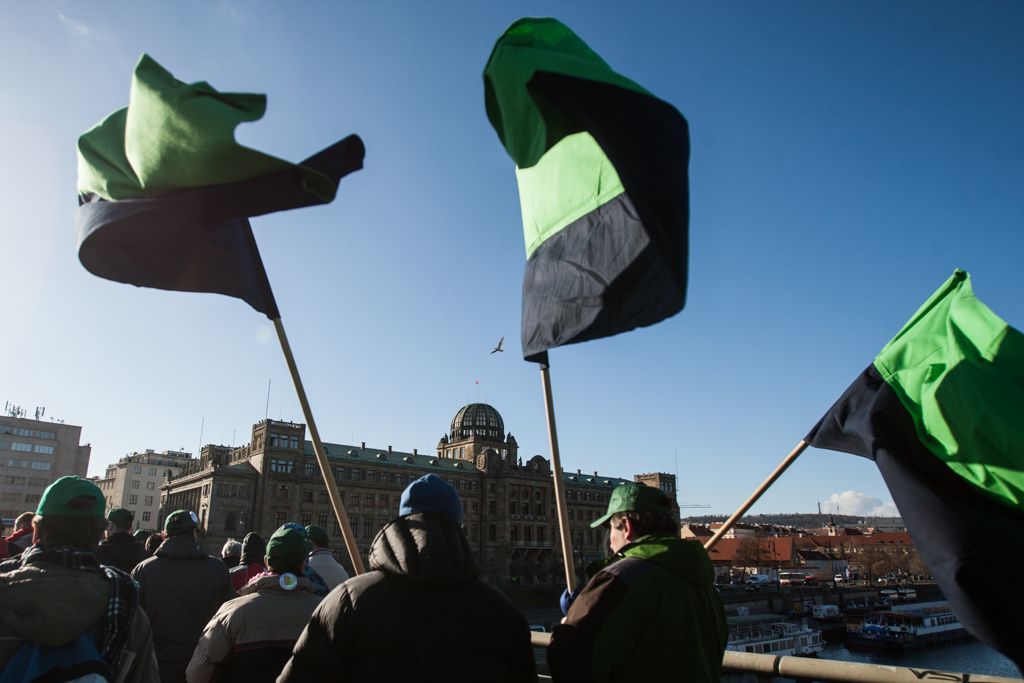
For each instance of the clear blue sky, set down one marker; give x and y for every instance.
(846, 158)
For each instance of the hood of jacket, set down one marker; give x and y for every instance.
(253, 548)
(427, 549)
(51, 604)
(180, 548)
(686, 559)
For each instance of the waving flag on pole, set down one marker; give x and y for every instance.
(165, 192)
(941, 412)
(602, 171)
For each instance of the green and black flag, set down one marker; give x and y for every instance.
(941, 412)
(602, 171)
(165, 192)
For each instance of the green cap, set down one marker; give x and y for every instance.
(72, 496)
(120, 516)
(318, 535)
(287, 547)
(180, 522)
(142, 534)
(634, 497)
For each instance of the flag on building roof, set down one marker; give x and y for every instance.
(941, 412)
(165, 192)
(602, 171)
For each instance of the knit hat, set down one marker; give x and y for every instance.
(634, 497)
(318, 535)
(120, 516)
(72, 496)
(287, 547)
(431, 493)
(180, 522)
(253, 548)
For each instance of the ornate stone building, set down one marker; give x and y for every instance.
(510, 505)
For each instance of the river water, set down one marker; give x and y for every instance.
(974, 658)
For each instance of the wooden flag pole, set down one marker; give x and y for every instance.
(786, 462)
(556, 464)
(321, 455)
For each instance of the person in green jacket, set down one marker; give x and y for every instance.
(652, 613)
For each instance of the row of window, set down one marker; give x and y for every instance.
(137, 469)
(310, 470)
(19, 497)
(134, 500)
(284, 441)
(23, 447)
(150, 485)
(31, 433)
(17, 480)
(27, 464)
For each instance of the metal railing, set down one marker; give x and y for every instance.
(767, 667)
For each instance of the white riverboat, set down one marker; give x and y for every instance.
(904, 626)
(772, 634)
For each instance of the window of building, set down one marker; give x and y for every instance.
(540, 534)
(23, 447)
(135, 484)
(368, 500)
(306, 519)
(133, 499)
(385, 477)
(383, 500)
(492, 533)
(512, 508)
(284, 441)
(279, 519)
(572, 515)
(137, 469)
(528, 534)
(152, 471)
(206, 489)
(146, 515)
(475, 507)
(492, 507)
(150, 485)
(282, 466)
(37, 465)
(282, 494)
(307, 496)
(367, 526)
(10, 497)
(336, 528)
(309, 469)
(490, 487)
(536, 494)
(514, 533)
(474, 532)
(321, 521)
(538, 509)
(230, 523)
(321, 497)
(357, 475)
(40, 448)
(149, 500)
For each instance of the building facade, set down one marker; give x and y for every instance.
(33, 454)
(134, 482)
(510, 516)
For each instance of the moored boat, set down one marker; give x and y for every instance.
(905, 626)
(771, 634)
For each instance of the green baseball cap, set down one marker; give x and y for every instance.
(72, 496)
(634, 497)
(318, 535)
(287, 546)
(120, 516)
(180, 522)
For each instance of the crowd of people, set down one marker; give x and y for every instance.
(81, 595)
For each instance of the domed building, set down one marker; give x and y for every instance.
(511, 521)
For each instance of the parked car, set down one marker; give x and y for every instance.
(838, 578)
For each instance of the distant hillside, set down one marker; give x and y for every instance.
(805, 520)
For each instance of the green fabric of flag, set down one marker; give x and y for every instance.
(172, 136)
(601, 167)
(940, 410)
(165, 192)
(958, 370)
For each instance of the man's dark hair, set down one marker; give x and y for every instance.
(58, 531)
(647, 522)
(153, 542)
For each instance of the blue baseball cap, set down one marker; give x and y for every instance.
(431, 493)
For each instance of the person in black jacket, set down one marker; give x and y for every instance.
(181, 587)
(120, 549)
(421, 613)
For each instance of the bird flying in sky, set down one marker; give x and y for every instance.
(498, 348)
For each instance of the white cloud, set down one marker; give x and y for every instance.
(264, 334)
(75, 27)
(857, 503)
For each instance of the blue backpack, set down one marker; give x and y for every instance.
(77, 662)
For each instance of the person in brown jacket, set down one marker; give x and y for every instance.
(251, 637)
(60, 597)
